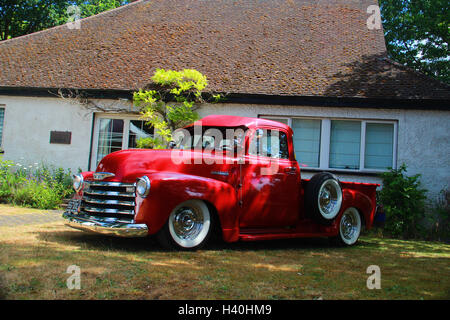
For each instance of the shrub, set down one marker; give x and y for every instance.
(38, 195)
(55, 178)
(36, 186)
(9, 180)
(403, 201)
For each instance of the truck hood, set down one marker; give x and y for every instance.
(128, 165)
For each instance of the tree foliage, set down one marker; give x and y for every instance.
(21, 17)
(169, 103)
(417, 34)
(92, 7)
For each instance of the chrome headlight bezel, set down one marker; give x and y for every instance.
(143, 186)
(78, 182)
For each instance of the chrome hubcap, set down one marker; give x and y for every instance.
(349, 225)
(330, 199)
(187, 223)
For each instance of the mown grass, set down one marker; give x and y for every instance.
(34, 260)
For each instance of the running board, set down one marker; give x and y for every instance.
(299, 232)
(276, 236)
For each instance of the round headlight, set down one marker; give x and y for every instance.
(78, 182)
(143, 186)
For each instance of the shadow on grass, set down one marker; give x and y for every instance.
(102, 242)
(149, 244)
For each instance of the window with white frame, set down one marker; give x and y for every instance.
(307, 141)
(343, 144)
(2, 119)
(114, 133)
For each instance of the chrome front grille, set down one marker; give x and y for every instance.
(109, 199)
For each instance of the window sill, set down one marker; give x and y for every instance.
(349, 172)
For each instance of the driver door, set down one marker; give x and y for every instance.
(270, 181)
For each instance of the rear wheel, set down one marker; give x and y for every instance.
(188, 228)
(349, 228)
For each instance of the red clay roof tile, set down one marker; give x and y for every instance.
(276, 47)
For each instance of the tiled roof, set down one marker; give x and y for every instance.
(271, 47)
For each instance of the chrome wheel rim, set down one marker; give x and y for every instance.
(189, 223)
(330, 199)
(350, 226)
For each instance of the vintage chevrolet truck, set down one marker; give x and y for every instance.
(230, 176)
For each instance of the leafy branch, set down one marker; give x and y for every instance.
(169, 103)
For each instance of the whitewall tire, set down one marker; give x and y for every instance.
(349, 227)
(189, 226)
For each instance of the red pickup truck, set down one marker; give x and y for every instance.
(231, 176)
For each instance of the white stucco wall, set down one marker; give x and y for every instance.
(29, 120)
(423, 136)
(27, 126)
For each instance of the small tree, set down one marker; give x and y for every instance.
(403, 201)
(169, 103)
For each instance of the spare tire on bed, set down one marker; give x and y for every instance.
(323, 198)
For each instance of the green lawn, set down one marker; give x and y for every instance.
(34, 260)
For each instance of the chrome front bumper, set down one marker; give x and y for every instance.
(108, 226)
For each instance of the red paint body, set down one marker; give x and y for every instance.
(250, 206)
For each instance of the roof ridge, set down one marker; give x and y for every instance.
(124, 7)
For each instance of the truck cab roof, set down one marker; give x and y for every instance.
(236, 121)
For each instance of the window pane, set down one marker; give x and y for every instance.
(272, 144)
(345, 144)
(110, 137)
(307, 141)
(138, 129)
(2, 117)
(379, 145)
(280, 147)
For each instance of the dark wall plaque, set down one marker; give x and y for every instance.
(63, 137)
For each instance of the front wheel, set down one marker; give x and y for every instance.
(189, 226)
(349, 228)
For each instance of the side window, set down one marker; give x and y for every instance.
(284, 148)
(269, 143)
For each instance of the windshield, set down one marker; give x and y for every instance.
(211, 138)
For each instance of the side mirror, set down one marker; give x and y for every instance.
(172, 144)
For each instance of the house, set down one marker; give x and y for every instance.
(315, 65)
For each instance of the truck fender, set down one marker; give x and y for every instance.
(168, 190)
(362, 199)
